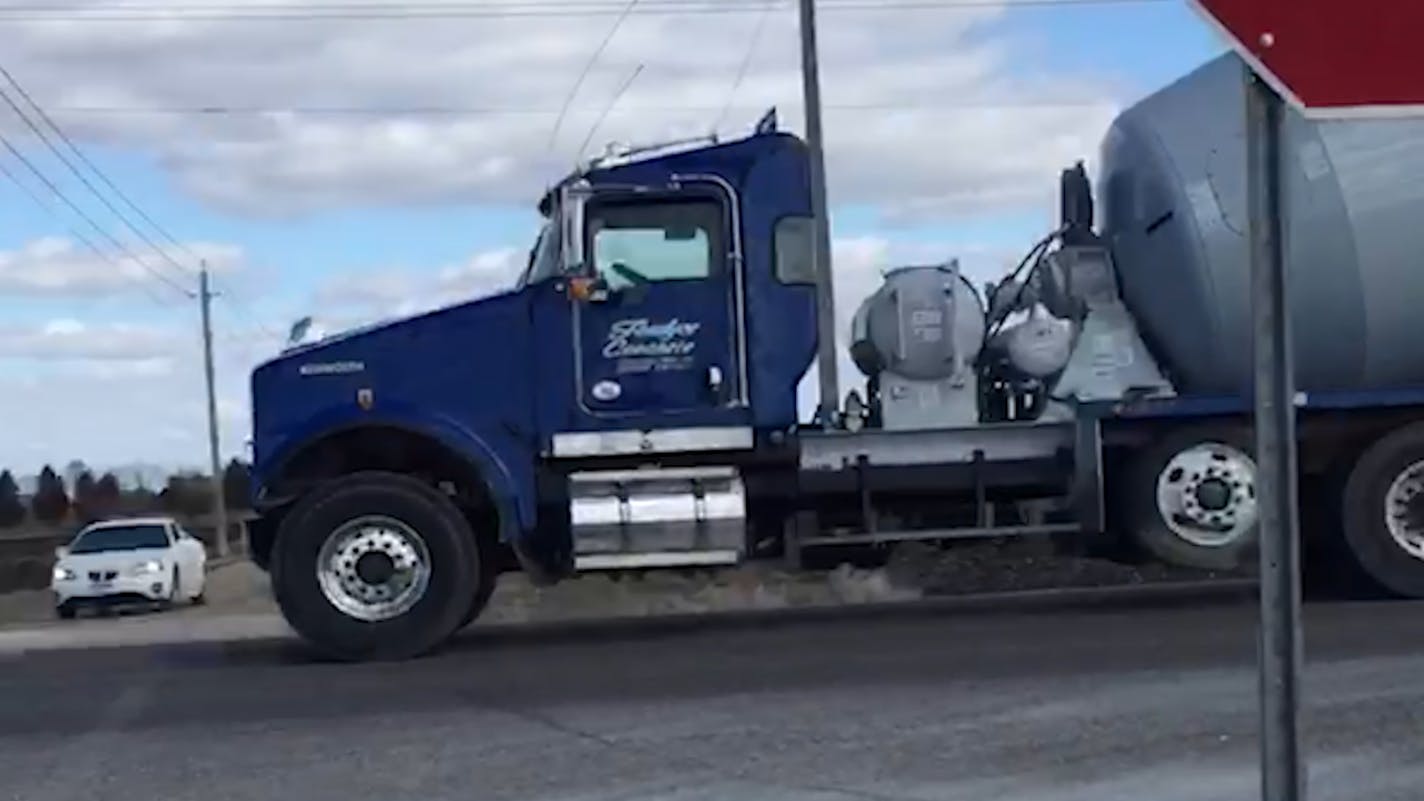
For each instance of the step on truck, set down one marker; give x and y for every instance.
(632, 402)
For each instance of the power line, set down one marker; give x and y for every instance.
(243, 307)
(49, 143)
(528, 8)
(104, 178)
(583, 146)
(587, 68)
(39, 110)
(14, 151)
(38, 200)
(742, 70)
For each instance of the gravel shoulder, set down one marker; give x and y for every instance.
(912, 572)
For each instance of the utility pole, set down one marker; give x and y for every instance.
(205, 296)
(829, 407)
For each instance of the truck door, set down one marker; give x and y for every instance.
(658, 334)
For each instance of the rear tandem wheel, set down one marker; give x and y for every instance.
(1189, 499)
(1383, 511)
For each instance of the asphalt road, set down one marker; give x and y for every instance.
(1080, 706)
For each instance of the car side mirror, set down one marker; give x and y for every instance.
(61, 551)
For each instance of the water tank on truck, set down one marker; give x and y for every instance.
(917, 338)
(1173, 198)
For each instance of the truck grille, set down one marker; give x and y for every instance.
(103, 575)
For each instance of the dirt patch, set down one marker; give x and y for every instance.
(675, 592)
(913, 571)
(1012, 566)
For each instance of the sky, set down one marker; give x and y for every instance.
(356, 166)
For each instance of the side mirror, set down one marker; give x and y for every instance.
(571, 210)
(61, 551)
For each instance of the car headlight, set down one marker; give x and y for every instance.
(146, 568)
(63, 574)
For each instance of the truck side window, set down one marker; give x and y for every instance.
(792, 246)
(544, 257)
(655, 241)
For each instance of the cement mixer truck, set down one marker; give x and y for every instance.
(632, 402)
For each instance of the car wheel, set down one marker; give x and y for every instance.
(375, 566)
(66, 611)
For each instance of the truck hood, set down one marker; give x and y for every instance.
(335, 337)
(436, 366)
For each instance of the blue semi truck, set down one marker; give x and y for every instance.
(632, 402)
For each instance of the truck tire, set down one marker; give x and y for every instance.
(375, 566)
(483, 591)
(1383, 511)
(1190, 499)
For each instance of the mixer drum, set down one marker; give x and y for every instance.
(1173, 194)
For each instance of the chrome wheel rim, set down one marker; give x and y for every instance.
(373, 568)
(1404, 510)
(1206, 495)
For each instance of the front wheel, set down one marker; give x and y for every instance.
(375, 566)
(1383, 515)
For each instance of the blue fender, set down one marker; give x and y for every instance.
(504, 462)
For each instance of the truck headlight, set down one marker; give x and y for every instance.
(63, 574)
(146, 568)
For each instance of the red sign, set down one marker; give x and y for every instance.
(1331, 58)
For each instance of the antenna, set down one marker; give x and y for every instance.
(611, 103)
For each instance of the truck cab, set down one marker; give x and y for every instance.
(654, 341)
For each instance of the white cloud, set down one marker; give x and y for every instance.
(113, 394)
(927, 112)
(68, 340)
(57, 267)
(374, 294)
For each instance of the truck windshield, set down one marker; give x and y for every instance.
(544, 257)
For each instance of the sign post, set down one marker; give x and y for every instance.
(1328, 58)
(1281, 651)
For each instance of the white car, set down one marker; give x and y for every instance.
(138, 560)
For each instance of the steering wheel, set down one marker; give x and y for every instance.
(628, 274)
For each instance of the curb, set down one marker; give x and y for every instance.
(215, 564)
(1166, 595)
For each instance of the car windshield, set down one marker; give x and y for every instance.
(120, 538)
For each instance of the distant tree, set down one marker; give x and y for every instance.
(140, 501)
(108, 494)
(73, 471)
(86, 501)
(12, 511)
(187, 495)
(50, 503)
(237, 485)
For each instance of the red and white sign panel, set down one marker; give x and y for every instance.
(1331, 58)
